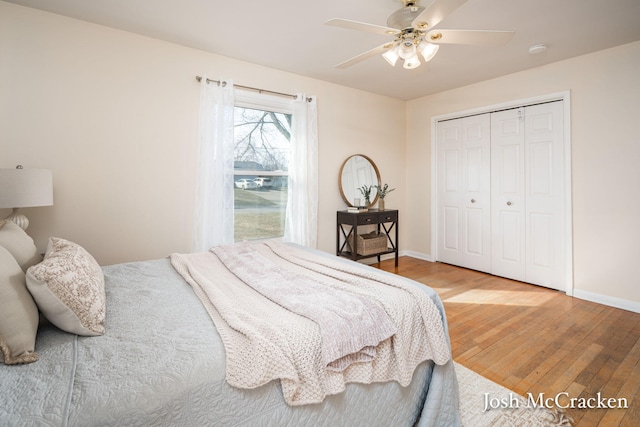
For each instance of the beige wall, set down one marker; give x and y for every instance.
(605, 105)
(114, 115)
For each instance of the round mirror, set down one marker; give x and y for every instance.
(358, 171)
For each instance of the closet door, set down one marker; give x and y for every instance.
(508, 194)
(544, 167)
(527, 160)
(464, 230)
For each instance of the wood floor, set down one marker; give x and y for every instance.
(535, 340)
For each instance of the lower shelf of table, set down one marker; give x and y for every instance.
(348, 254)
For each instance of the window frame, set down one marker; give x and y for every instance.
(263, 102)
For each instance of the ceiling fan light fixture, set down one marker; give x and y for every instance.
(391, 56)
(412, 62)
(414, 36)
(406, 49)
(428, 50)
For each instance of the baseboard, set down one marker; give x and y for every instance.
(417, 255)
(411, 254)
(607, 300)
(577, 293)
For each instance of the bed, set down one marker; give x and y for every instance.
(161, 362)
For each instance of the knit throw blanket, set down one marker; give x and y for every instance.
(351, 325)
(314, 322)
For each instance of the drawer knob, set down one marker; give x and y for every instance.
(368, 219)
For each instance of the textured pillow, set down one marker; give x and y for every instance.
(18, 314)
(19, 244)
(68, 287)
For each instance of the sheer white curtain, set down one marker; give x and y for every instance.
(301, 223)
(213, 218)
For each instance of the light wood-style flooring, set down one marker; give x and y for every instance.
(535, 340)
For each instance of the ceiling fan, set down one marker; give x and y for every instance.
(413, 29)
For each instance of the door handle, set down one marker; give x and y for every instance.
(508, 203)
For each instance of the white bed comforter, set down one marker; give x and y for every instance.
(265, 340)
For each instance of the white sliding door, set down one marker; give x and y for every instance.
(464, 192)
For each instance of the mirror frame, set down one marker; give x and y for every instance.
(375, 168)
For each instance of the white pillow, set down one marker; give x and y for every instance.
(19, 244)
(68, 287)
(18, 314)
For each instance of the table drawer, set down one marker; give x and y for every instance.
(388, 216)
(364, 219)
(377, 218)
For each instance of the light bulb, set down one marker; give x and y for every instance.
(428, 50)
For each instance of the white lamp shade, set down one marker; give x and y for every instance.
(391, 56)
(23, 188)
(411, 63)
(428, 50)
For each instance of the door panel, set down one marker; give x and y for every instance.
(449, 185)
(475, 241)
(507, 194)
(540, 165)
(451, 227)
(545, 194)
(474, 165)
(509, 162)
(541, 239)
(476, 195)
(452, 171)
(508, 247)
(464, 187)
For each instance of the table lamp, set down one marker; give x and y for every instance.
(23, 188)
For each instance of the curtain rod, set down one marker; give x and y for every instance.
(288, 95)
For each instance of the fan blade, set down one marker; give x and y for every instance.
(368, 54)
(362, 26)
(472, 37)
(435, 12)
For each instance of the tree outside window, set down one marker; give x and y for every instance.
(261, 164)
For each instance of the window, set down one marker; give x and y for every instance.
(262, 128)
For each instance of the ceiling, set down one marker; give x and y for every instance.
(290, 35)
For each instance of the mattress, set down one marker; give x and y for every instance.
(161, 362)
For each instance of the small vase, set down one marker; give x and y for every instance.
(380, 204)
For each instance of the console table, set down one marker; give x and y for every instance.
(386, 222)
